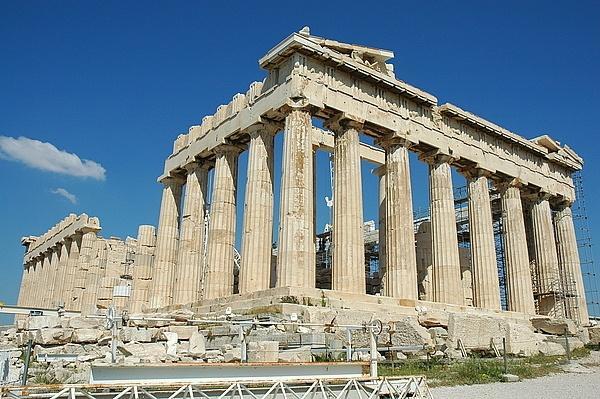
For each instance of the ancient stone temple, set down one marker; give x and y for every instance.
(350, 91)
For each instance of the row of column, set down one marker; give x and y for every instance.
(183, 265)
(60, 276)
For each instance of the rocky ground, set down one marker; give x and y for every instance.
(580, 380)
(65, 348)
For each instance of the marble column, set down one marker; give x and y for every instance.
(380, 173)
(94, 274)
(447, 284)
(142, 267)
(221, 228)
(516, 258)
(546, 257)
(53, 276)
(569, 263)
(46, 277)
(400, 278)
(191, 242)
(59, 297)
(167, 240)
(257, 236)
(72, 246)
(83, 267)
(296, 256)
(486, 287)
(348, 256)
(24, 288)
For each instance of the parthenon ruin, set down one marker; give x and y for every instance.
(351, 91)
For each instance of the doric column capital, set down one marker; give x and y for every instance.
(561, 203)
(228, 149)
(343, 121)
(475, 172)
(392, 141)
(379, 171)
(436, 157)
(173, 180)
(504, 184)
(269, 128)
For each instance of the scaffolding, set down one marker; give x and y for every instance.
(584, 243)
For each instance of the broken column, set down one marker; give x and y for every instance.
(257, 236)
(348, 260)
(446, 279)
(221, 231)
(142, 267)
(166, 244)
(296, 256)
(484, 269)
(191, 241)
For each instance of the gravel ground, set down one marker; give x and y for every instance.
(557, 386)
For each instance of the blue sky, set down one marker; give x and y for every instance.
(115, 82)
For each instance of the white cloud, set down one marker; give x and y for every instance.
(64, 193)
(45, 156)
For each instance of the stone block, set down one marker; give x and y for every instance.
(554, 326)
(475, 332)
(574, 342)
(197, 344)
(551, 348)
(297, 355)
(86, 322)
(263, 351)
(521, 339)
(134, 334)
(232, 355)
(171, 342)
(154, 351)
(86, 335)
(408, 331)
(594, 333)
(39, 322)
(433, 318)
(53, 336)
(183, 332)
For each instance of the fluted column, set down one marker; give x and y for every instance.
(46, 277)
(83, 267)
(569, 263)
(400, 278)
(516, 258)
(348, 257)
(221, 228)
(486, 287)
(24, 288)
(72, 247)
(33, 292)
(191, 242)
(163, 273)
(380, 173)
(95, 273)
(546, 257)
(58, 297)
(142, 267)
(257, 237)
(447, 285)
(296, 252)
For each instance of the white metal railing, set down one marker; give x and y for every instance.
(354, 388)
